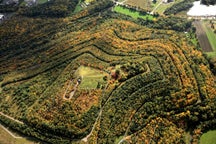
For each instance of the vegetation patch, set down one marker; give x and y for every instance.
(133, 13)
(209, 28)
(143, 4)
(208, 137)
(90, 78)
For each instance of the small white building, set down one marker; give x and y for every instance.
(167, 1)
(2, 17)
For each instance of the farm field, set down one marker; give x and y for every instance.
(143, 4)
(202, 37)
(211, 37)
(133, 14)
(206, 37)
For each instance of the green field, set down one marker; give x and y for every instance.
(211, 37)
(210, 34)
(78, 7)
(90, 77)
(208, 138)
(6, 138)
(133, 14)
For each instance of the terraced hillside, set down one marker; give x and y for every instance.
(90, 78)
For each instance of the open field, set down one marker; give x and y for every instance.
(7, 138)
(202, 37)
(210, 34)
(133, 14)
(143, 4)
(206, 37)
(208, 138)
(90, 77)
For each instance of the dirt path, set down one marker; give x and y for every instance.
(11, 118)
(152, 12)
(202, 37)
(85, 139)
(126, 132)
(9, 132)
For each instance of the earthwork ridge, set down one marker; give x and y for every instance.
(142, 80)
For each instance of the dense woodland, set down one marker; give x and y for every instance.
(178, 7)
(158, 87)
(208, 2)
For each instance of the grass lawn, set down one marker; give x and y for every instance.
(90, 77)
(208, 138)
(133, 14)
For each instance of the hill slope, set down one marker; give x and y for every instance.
(90, 77)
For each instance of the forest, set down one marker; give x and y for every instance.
(97, 76)
(208, 2)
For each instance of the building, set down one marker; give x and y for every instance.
(1, 17)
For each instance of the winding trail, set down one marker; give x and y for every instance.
(152, 12)
(85, 139)
(126, 132)
(16, 137)
(11, 118)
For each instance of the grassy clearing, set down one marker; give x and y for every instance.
(211, 37)
(210, 34)
(208, 138)
(90, 77)
(133, 14)
(6, 138)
